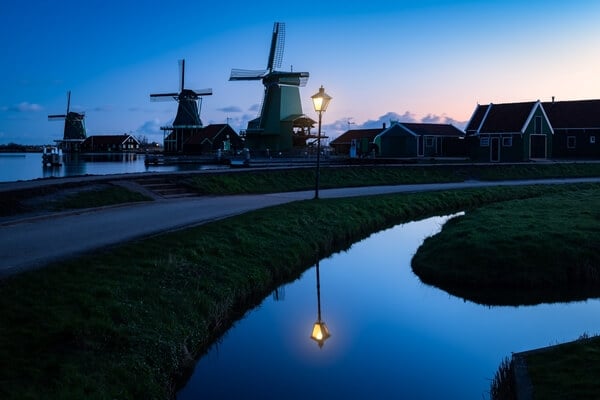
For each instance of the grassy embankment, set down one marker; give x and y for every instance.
(527, 251)
(126, 322)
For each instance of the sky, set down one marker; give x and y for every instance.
(407, 60)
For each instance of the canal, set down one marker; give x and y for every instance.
(391, 335)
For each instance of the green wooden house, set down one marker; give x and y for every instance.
(413, 140)
(510, 132)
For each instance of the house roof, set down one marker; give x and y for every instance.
(499, 118)
(104, 140)
(432, 129)
(348, 136)
(573, 114)
(210, 132)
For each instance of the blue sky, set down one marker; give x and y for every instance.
(429, 60)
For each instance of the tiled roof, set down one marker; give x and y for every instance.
(573, 114)
(357, 134)
(508, 117)
(433, 129)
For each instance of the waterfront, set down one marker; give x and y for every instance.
(391, 335)
(28, 166)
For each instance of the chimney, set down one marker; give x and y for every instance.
(384, 125)
(552, 99)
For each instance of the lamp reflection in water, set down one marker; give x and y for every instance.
(320, 332)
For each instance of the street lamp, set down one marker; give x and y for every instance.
(320, 102)
(320, 332)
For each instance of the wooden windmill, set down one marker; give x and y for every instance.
(281, 109)
(187, 121)
(74, 131)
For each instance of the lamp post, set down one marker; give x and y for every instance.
(320, 102)
(320, 332)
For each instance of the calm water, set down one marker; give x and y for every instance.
(392, 337)
(27, 166)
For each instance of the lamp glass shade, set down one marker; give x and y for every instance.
(321, 100)
(320, 332)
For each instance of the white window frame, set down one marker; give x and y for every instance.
(484, 141)
(571, 142)
(507, 141)
(592, 139)
(429, 142)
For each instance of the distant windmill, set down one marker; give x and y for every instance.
(281, 109)
(187, 121)
(74, 132)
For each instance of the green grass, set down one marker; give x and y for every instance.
(568, 371)
(242, 182)
(519, 252)
(128, 322)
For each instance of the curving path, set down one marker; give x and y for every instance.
(34, 242)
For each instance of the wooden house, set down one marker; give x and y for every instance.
(510, 132)
(576, 126)
(211, 138)
(110, 143)
(356, 142)
(403, 139)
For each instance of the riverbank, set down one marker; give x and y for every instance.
(129, 322)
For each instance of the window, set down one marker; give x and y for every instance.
(571, 142)
(592, 139)
(428, 141)
(537, 125)
(484, 141)
(507, 141)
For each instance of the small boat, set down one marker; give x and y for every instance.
(51, 156)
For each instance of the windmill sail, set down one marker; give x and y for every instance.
(281, 101)
(74, 122)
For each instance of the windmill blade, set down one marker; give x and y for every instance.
(164, 96)
(203, 92)
(247, 74)
(277, 45)
(56, 117)
(181, 74)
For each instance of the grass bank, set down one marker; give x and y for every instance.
(525, 251)
(269, 181)
(128, 322)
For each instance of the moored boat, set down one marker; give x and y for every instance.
(51, 156)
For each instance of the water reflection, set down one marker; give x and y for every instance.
(320, 332)
(394, 337)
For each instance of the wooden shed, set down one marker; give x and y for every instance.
(408, 140)
(509, 132)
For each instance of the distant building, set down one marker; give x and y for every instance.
(510, 132)
(110, 143)
(211, 138)
(359, 142)
(409, 140)
(576, 126)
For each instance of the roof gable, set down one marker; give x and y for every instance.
(508, 117)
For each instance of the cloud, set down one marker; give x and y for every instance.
(230, 109)
(387, 118)
(254, 107)
(150, 127)
(23, 107)
(443, 119)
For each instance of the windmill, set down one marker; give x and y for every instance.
(187, 120)
(281, 109)
(74, 132)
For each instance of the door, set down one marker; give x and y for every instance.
(537, 146)
(494, 149)
(420, 146)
